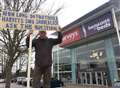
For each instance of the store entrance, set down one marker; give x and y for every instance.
(92, 78)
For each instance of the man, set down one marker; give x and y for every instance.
(43, 57)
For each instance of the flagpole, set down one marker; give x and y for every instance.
(29, 59)
(116, 25)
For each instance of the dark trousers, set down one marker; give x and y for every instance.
(39, 74)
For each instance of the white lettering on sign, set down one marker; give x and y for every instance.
(101, 25)
(71, 36)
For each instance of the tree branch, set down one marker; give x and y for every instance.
(22, 4)
(27, 9)
(8, 4)
(38, 6)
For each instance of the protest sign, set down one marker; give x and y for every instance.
(25, 21)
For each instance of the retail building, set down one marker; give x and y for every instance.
(90, 52)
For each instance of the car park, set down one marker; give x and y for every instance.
(20, 79)
(14, 80)
(24, 81)
(2, 80)
(117, 84)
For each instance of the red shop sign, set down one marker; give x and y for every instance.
(70, 37)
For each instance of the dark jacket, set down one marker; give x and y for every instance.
(43, 50)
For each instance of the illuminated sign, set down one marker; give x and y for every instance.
(22, 21)
(70, 37)
(99, 24)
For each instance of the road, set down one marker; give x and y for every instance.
(13, 85)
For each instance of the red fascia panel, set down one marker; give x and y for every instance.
(70, 37)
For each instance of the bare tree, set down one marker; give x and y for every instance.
(21, 63)
(12, 44)
(2, 61)
(13, 39)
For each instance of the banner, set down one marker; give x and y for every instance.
(25, 21)
(99, 24)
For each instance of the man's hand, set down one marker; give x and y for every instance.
(59, 29)
(30, 32)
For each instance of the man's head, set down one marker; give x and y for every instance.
(43, 34)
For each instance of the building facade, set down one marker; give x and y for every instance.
(90, 52)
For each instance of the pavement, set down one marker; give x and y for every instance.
(13, 85)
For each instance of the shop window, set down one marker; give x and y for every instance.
(84, 78)
(118, 64)
(66, 77)
(117, 51)
(88, 78)
(83, 56)
(99, 78)
(81, 49)
(115, 41)
(96, 45)
(97, 54)
(93, 78)
(64, 67)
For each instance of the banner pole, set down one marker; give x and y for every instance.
(58, 72)
(29, 59)
(58, 59)
(116, 25)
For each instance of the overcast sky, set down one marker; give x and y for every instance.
(74, 9)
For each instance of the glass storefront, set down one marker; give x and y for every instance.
(92, 78)
(64, 65)
(116, 48)
(91, 63)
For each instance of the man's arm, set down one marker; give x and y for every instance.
(58, 40)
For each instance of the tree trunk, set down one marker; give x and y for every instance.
(8, 76)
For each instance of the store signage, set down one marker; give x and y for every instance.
(70, 37)
(99, 24)
(22, 21)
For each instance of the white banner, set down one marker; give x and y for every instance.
(25, 21)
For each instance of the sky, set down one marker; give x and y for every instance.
(74, 9)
